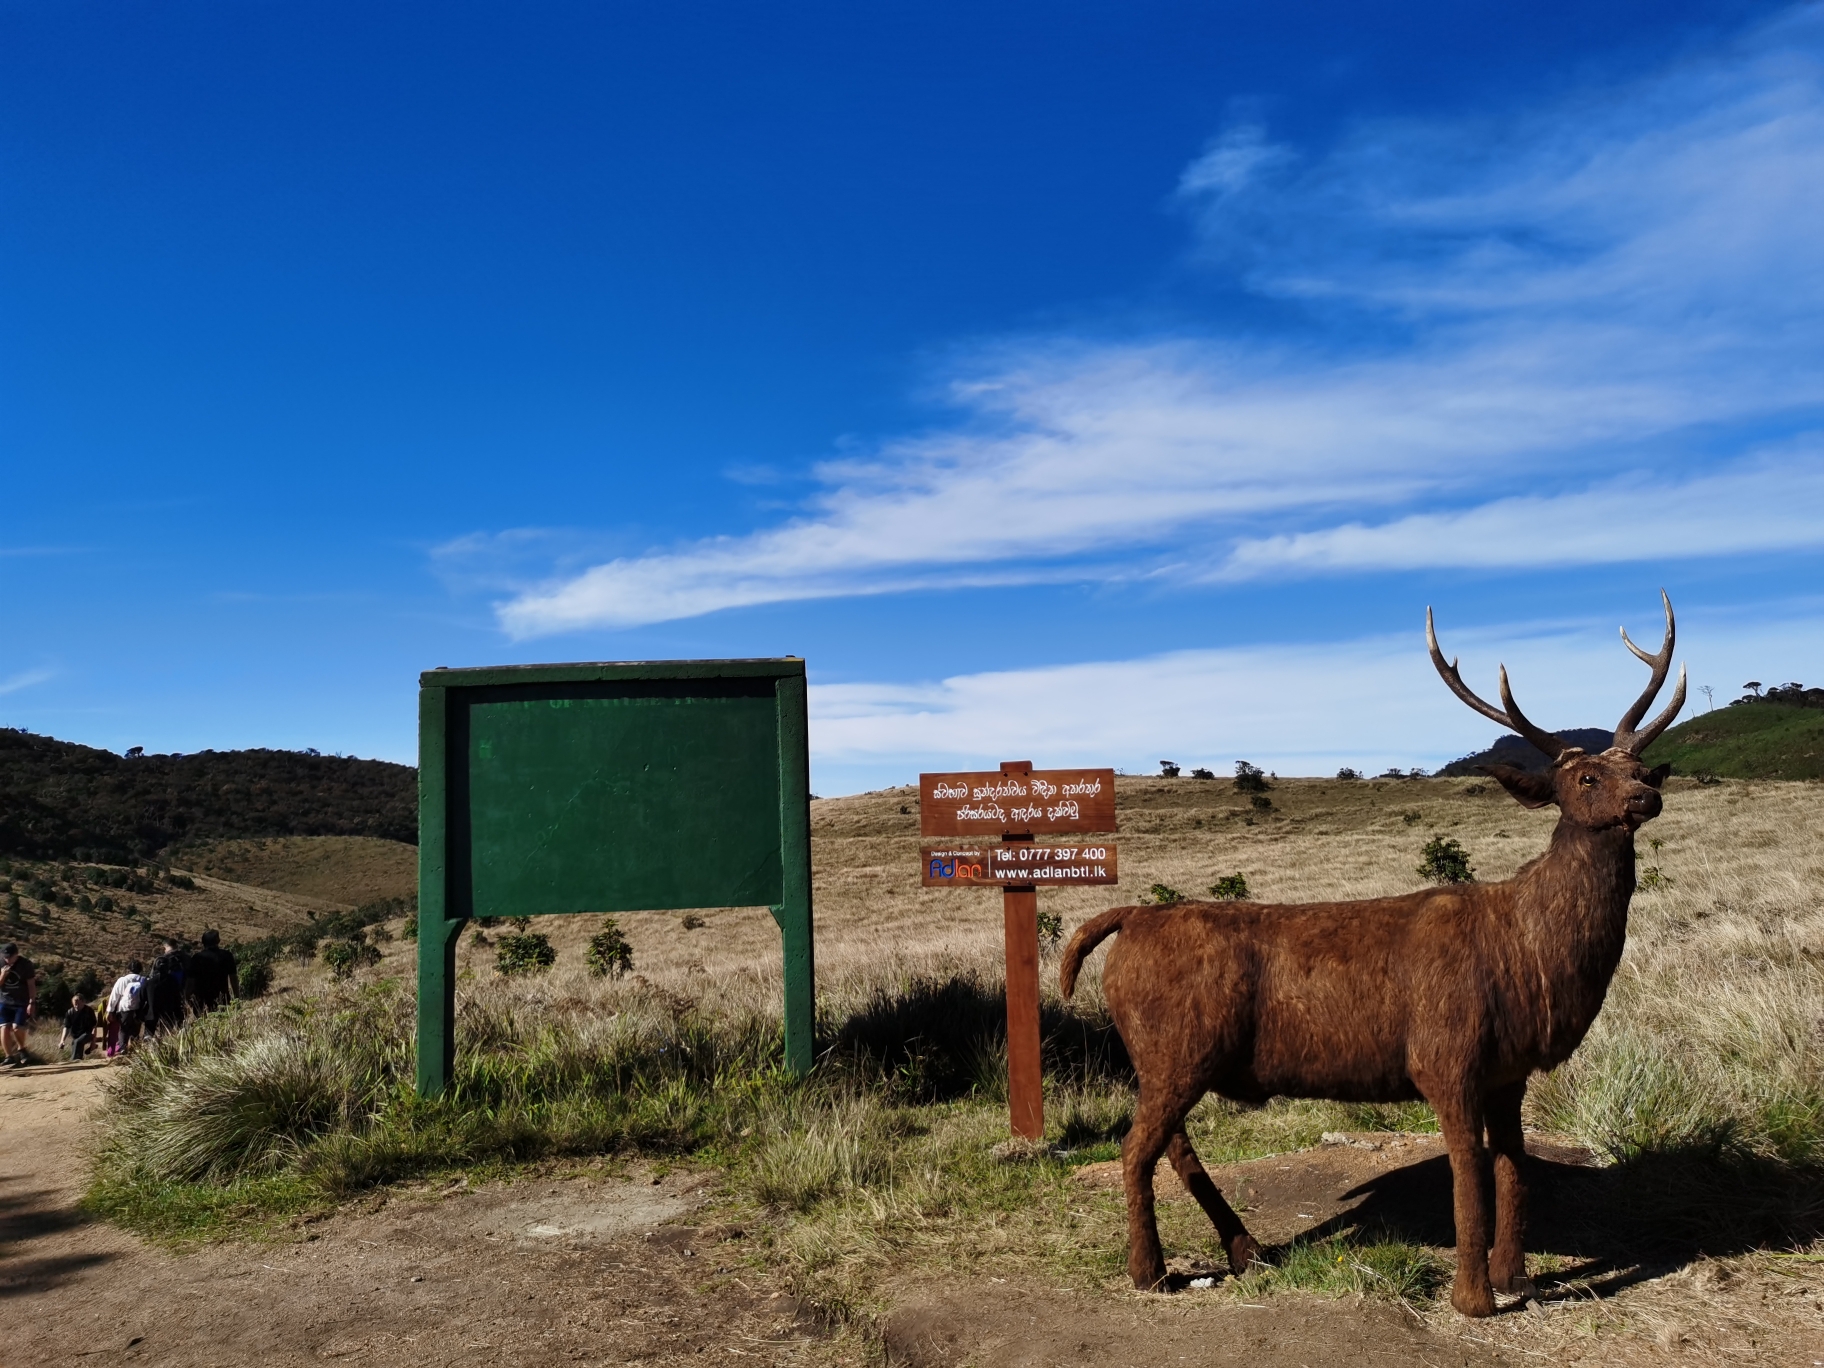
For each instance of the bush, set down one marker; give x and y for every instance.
(54, 990)
(410, 930)
(526, 952)
(1202, 773)
(1260, 802)
(1163, 895)
(1250, 778)
(1051, 930)
(1348, 772)
(256, 978)
(345, 956)
(1231, 888)
(1446, 862)
(609, 954)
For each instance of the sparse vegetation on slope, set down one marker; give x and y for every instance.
(1753, 739)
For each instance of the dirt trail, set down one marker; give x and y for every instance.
(585, 1270)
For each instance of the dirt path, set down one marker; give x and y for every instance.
(628, 1268)
(583, 1270)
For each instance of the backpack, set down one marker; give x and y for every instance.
(134, 997)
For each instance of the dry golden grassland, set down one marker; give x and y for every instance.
(329, 872)
(1701, 1086)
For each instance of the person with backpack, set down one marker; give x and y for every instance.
(126, 1007)
(165, 989)
(214, 975)
(18, 1003)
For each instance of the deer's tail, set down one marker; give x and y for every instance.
(1089, 935)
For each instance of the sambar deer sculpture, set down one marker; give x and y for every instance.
(1455, 995)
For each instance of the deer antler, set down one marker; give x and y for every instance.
(1628, 739)
(1513, 718)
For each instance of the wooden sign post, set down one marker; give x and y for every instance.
(1017, 803)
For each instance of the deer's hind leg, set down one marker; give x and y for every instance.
(1157, 1121)
(1234, 1235)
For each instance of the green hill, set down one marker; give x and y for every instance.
(59, 800)
(1753, 739)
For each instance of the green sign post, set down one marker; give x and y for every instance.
(617, 787)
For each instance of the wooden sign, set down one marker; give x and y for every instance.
(999, 802)
(1018, 863)
(1015, 803)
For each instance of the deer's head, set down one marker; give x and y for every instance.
(1613, 789)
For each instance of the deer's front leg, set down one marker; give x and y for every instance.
(1460, 1118)
(1507, 1260)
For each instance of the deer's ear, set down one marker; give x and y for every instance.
(1657, 775)
(1530, 790)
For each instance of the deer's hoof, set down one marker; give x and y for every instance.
(1476, 1300)
(1242, 1252)
(1149, 1277)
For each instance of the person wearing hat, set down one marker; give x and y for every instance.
(18, 1003)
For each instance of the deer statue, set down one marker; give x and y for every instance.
(1455, 995)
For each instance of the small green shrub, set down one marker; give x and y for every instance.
(345, 956)
(1412, 817)
(1162, 894)
(1051, 930)
(1446, 862)
(527, 952)
(1348, 772)
(410, 930)
(520, 924)
(256, 978)
(1260, 802)
(1231, 888)
(609, 954)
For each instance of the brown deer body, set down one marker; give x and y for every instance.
(1455, 995)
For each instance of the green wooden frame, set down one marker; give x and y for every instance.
(507, 699)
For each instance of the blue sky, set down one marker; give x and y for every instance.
(1082, 384)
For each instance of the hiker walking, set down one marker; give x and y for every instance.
(18, 1003)
(78, 1028)
(214, 975)
(165, 989)
(126, 1007)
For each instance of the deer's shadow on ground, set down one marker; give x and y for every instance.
(1610, 1226)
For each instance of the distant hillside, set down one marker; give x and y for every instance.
(65, 801)
(346, 870)
(1511, 750)
(1752, 739)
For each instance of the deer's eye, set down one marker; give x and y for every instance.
(1588, 781)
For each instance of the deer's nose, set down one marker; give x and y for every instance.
(1644, 802)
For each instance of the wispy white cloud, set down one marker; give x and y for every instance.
(25, 679)
(1769, 505)
(1299, 709)
(1633, 268)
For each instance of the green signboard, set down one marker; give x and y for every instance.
(610, 788)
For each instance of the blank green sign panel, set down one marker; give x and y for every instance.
(622, 796)
(621, 786)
